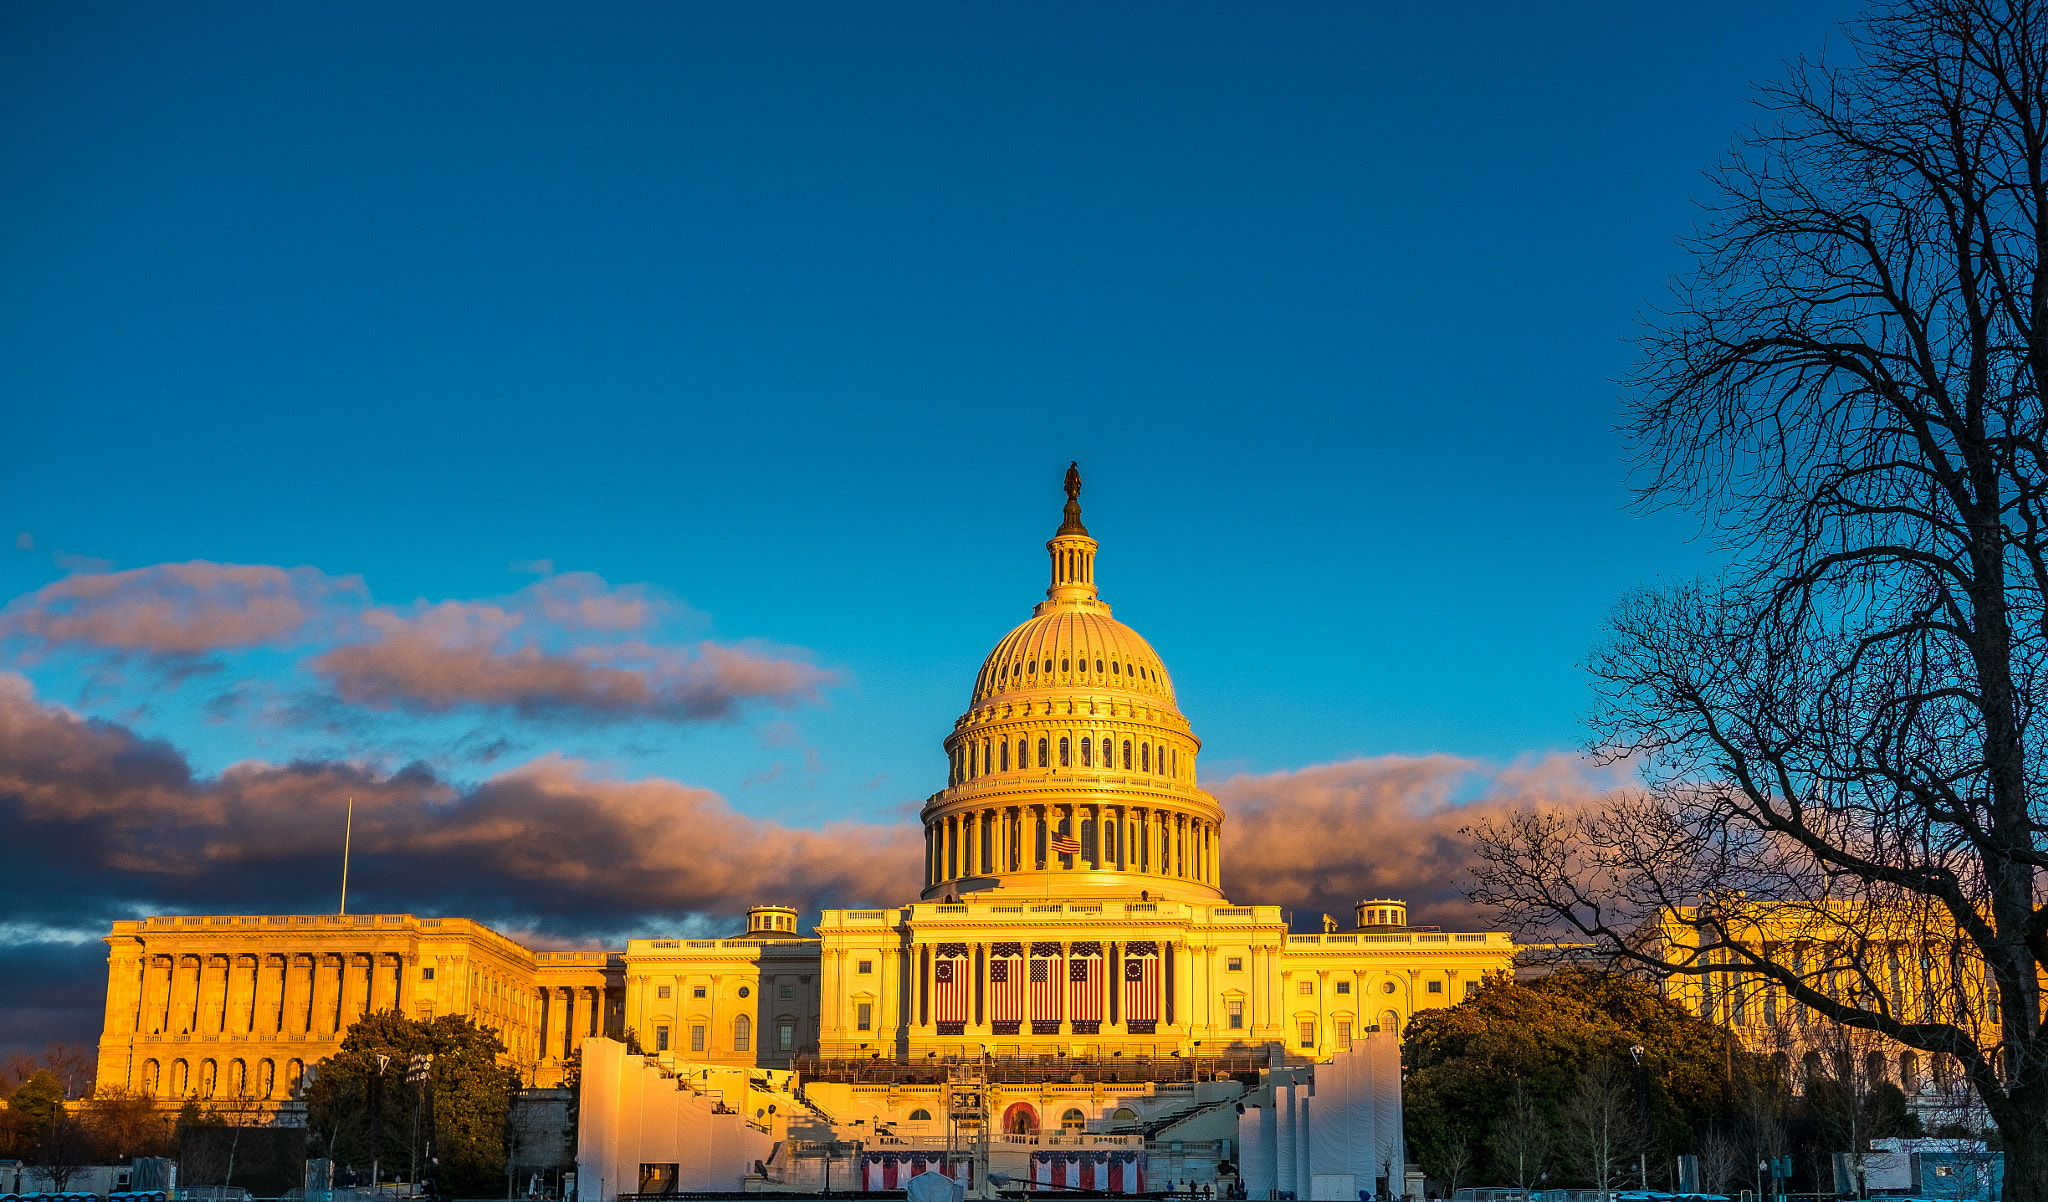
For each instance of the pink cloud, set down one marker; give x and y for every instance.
(472, 654)
(1320, 839)
(175, 609)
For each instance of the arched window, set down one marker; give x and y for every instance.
(988, 763)
(294, 1076)
(1176, 761)
(149, 1076)
(1145, 756)
(1115, 669)
(1043, 761)
(1031, 666)
(1088, 840)
(208, 1077)
(1809, 1065)
(1064, 761)
(1124, 1114)
(1066, 666)
(238, 1079)
(742, 1033)
(1390, 1022)
(1073, 1120)
(1098, 667)
(1781, 1066)
(1108, 755)
(180, 1081)
(1023, 753)
(1006, 755)
(1909, 1072)
(1875, 1070)
(1041, 842)
(1087, 753)
(920, 1115)
(1127, 755)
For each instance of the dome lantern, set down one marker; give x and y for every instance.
(1072, 550)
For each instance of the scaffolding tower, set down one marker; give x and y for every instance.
(967, 1126)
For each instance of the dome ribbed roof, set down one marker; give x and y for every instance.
(1067, 648)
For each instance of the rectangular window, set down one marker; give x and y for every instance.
(864, 1019)
(867, 966)
(697, 992)
(697, 1038)
(1343, 1037)
(1308, 1035)
(426, 974)
(661, 1039)
(1306, 988)
(788, 991)
(1436, 986)
(661, 991)
(1471, 989)
(1237, 1016)
(1234, 964)
(1343, 987)
(785, 1037)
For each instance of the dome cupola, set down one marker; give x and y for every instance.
(1073, 768)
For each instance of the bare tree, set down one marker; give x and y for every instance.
(1521, 1139)
(1840, 732)
(64, 1147)
(1722, 1163)
(1598, 1122)
(1453, 1163)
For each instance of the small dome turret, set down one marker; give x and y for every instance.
(772, 922)
(1382, 912)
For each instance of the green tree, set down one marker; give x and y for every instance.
(37, 1101)
(1529, 1045)
(471, 1092)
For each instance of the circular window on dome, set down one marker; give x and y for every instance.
(743, 991)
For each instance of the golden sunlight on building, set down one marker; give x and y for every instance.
(1067, 958)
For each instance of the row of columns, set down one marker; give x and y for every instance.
(1004, 839)
(973, 759)
(292, 993)
(563, 1023)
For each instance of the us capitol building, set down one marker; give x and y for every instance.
(1070, 911)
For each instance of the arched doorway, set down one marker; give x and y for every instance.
(1020, 1119)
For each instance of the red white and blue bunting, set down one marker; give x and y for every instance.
(1111, 1172)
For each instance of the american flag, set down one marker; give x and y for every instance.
(1045, 986)
(953, 983)
(1006, 984)
(1084, 975)
(1064, 844)
(1141, 982)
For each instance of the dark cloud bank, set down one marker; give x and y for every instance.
(105, 824)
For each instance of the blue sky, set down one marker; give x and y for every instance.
(787, 319)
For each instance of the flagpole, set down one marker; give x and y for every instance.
(347, 831)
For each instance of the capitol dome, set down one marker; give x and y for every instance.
(1073, 768)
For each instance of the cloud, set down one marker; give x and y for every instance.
(533, 567)
(458, 654)
(24, 541)
(103, 822)
(173, 609)
(1320, 839)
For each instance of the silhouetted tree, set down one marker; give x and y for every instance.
(1843, 726)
